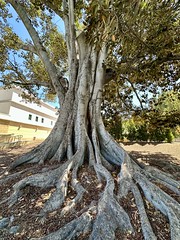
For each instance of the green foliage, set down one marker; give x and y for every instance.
(56, 46)
(131, 136)
(21, 65)
(169, 135)
(142, 39)
(131, 131)
(136, 129)
(115, 128)
(161, 134)
(164, 111)
(157, 134)
(142, 133)
(145, 50)
(158, 123)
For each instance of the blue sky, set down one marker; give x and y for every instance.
(21, 31)
(19, 28)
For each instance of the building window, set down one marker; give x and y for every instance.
(36, 119)
(42, 120)
(30, 117)
(51, 123)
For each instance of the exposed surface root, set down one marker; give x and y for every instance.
(125, 178)
(163, 178)
(106, 216)
(163, 202)
(45, 151)
(12, 176)
(145, 224)
(43, 180)
(79, 191)
(34, 156)
(58, 197)
(110, 214)
(81, 225)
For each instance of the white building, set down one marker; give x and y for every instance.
(17, 115)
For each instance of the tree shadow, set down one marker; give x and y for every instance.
(142, 143)
(164, 162)
(8, 155)
(6, 159)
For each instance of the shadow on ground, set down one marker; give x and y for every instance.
(140, 143)
(5, 159)
(164, 162)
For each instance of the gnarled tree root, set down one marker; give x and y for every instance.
(111, 215)
(43, 180)
(81, 225)
(104, 217)
(145, 224)
(163, 202)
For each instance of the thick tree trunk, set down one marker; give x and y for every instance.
(79, 135)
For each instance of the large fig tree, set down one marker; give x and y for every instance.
(103, 39)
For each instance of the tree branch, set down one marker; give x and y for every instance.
(29, 48)
(51, 69)
(54, 7)
(139, 38)
(134, 89)
(161, 60)
(23, 80)
(43, 84)
(70, 39)
(158, 61)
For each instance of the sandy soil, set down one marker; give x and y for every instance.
(165, 156)
(171, 149)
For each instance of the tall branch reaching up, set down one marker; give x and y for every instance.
(70, 38)
(135, 91)
(42, 53)
(28, 47)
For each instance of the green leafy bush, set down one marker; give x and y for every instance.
(169, 136)
(157, 135)
(142, 133)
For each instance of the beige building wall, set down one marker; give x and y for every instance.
(4, 125)
(29, 132)
(34, 121)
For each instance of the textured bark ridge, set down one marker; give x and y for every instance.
(79, 137)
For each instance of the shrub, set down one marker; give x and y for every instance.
(132, 132)
(142, 133)
(157, 135)
(169, 135)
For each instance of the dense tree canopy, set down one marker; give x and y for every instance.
(143, 39)
(132, 45)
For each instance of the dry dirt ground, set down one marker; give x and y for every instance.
(25, 213)
(165, 156)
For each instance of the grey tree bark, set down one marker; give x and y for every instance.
(79, 135)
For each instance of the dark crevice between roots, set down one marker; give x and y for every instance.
(32, 200)
(55, 220)
(95, 192)
(88, 178)
(129, 205)
(158, 221)
(168, 191)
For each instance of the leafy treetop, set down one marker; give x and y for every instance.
(142, 38)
